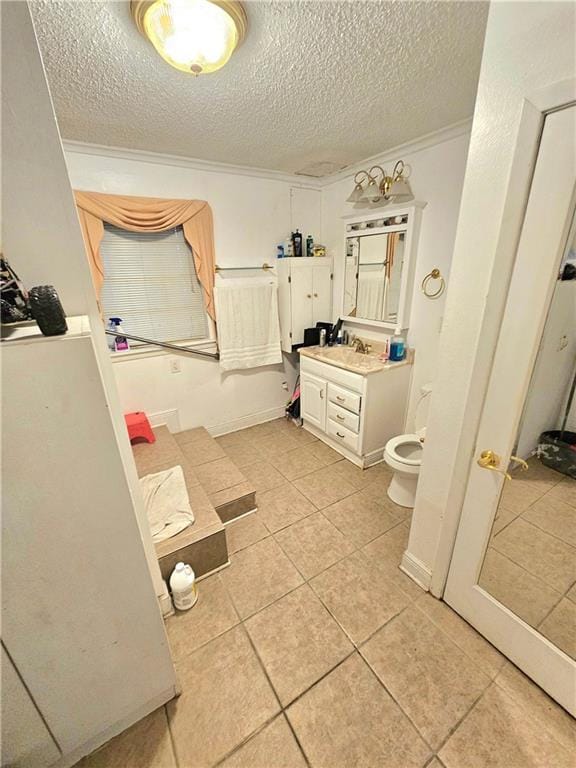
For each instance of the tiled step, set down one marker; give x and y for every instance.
(227, 488)
(218, 492)
(203, 544)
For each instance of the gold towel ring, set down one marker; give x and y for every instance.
(434, 275)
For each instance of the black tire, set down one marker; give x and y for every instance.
(47, 310)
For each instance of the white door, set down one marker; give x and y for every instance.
(313, 397)
(514, 562)
(321, 293)
(301, 298)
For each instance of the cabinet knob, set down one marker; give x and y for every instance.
(308, 295)
(339, 435)
(315, 295)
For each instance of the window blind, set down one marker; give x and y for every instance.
(150, 282)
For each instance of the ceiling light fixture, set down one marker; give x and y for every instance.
(194, 36)
(380, 186)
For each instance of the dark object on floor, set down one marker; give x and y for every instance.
(293, 407)
(14, 302)
(557, 450)
(46, 309)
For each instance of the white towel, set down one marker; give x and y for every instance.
(248, 324)
(167, 503)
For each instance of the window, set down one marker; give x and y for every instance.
(150, 282)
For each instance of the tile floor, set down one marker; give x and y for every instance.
(530, 564)
(314, 649)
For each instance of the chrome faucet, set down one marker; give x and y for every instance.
(360, 346)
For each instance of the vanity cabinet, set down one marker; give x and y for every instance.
(304, 296)
(354, 413)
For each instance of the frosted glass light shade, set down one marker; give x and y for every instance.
(356, 194)
(372, 192)
(194, 36)
(400, 190)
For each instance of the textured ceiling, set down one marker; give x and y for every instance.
(314, 82)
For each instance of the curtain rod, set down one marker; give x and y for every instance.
(264, 266)
(189, 350)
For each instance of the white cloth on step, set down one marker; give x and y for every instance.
(167, 503)
(248, 324)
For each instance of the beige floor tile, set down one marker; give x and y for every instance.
(212, 615)
(324, 453)
(297, 641)
(497, 734)
(282, 506)
(571, 594)
(260, 430)
(409, 650)
(275, 444)
(553, 516)
(197, 435)
(546, 557)
(538, 705)
(359, 596)
(348, 719)
(325, 486)
(146, 744)
(259, 575)
(272, 747)
(360, 519)
(386, 551)
(313, 544)
(361, 478)
(302, 436)
(540, 475)
(565, 491)
(519, 495)
(503, 518)
(487, 658)
(560, 627)
(217, 475)
(233, 438)
(296, 463)
(242, 453)
(245, 531)
(263, 476)
(526, 595)
(434, 763)
(225, 698)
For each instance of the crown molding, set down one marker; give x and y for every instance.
(157, 158)
(408, 148)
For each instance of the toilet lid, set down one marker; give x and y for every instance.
(406, 449)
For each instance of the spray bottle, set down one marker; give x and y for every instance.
(119, 343)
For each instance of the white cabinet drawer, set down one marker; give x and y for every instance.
(343, 417)
(342, 435)
(344, 398)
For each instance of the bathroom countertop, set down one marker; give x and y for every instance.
(350, 360)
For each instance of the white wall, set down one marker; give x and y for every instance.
(528, 46)
(436, 178)
(553, 372)
(252, 214)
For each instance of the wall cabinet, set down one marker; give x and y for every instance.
(304, 296)
(353, 413)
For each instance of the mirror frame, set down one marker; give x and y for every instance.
(412, 229)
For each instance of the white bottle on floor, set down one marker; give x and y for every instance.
(183, 586)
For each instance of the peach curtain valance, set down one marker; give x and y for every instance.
(149, 214)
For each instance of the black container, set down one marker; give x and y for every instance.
(297, 243)
(311, 337)
(557, 450)
(46, 309)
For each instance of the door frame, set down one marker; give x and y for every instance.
(535, 108)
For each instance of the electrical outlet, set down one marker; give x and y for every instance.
(175, 365)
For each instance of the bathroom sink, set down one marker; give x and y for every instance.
(345, 357)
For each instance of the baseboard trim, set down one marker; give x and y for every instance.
(416, 570)
(166, 605)
(247, 421)
(90, 746)
(240, 517)
(170, 419)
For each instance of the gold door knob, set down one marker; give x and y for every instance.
(490, 460)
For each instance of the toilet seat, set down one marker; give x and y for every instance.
(397, 453)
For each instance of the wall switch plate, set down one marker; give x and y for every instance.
(175, 365)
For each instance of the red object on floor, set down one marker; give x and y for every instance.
(139, 426)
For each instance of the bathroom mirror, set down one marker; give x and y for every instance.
(373, 276)
(530, 562)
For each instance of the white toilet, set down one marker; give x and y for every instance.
(403, 454)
